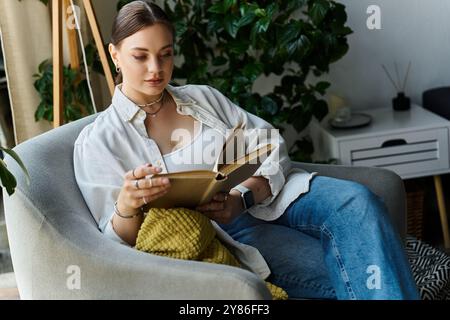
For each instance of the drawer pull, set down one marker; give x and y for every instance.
(393, 142)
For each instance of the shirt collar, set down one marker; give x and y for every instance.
(128, 109)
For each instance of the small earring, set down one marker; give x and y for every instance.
(117, 69)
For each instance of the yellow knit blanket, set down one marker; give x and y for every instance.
(186, 234)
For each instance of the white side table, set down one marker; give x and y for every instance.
(413, 143)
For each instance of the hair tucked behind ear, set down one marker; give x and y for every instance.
(135, 16)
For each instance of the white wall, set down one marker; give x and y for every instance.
(416, 30)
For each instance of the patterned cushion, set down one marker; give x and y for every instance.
(431, 269)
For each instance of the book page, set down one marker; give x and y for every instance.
(233, 174)
(253, 157)
(231, 147)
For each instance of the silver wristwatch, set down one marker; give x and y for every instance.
(247, 197)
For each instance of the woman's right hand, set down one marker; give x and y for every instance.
(149, 189)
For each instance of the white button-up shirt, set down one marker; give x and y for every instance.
(117, 141)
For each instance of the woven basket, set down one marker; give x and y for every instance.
(414, 204)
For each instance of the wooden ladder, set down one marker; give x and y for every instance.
(58, 59)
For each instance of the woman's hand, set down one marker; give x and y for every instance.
(137, 190)
(224, 207)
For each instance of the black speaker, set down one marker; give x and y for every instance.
(437, 100)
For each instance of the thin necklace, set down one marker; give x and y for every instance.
(153, 114)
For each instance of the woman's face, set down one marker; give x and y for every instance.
(146, 62)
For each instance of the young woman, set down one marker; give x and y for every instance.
(314, 236)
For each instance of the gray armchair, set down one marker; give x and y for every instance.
(55, 242)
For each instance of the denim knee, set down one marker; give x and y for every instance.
(361, 201)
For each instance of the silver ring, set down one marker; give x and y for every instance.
(151, 182)
(143, 198)
(134, 174)
(136, 184)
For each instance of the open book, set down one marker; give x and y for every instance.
(192, 188)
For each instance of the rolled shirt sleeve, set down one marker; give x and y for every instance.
(98, 182)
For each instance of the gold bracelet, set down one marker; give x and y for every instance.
(116, 211)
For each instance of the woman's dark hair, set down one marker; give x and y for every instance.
(135, 16)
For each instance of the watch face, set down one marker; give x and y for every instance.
(248, 198)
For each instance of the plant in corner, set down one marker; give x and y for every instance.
(77, 103)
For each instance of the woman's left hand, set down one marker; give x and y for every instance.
(223, 208)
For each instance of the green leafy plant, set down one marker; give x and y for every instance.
(229, 44)
(8, 180)
(77, 101)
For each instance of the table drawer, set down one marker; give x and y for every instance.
(405, 153)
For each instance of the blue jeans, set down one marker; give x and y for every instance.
(334, 242)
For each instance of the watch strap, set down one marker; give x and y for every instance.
(241, 188)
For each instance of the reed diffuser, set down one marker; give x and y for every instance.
(401, 102)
